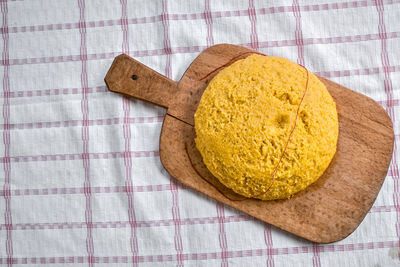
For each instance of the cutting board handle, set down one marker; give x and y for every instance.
(130, 77)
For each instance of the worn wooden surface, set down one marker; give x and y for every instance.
(126, 73)
(328, 210)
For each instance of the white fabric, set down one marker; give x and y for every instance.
(48, 219)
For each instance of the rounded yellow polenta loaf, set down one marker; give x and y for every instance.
(244, 120)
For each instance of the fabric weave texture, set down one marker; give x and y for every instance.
(81, 179)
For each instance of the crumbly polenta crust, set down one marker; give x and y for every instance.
(244, 119)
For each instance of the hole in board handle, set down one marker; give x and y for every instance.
(134, 77)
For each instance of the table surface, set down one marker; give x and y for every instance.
(81, 179)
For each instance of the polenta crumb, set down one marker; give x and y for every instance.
(244, 119)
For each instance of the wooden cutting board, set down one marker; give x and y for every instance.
(328, 210)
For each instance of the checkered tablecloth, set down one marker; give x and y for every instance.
(81, 179)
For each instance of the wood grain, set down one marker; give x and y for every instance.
(130, 77)
(328, 210)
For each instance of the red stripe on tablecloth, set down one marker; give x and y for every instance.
(193, 16)
(85, 134)
(174, 185)
(176, 221)
(356, 72)
(79, 156)
(54, 92)
(79, 123)
(300, 60)
(205, 256)
(316, 258)
(209, 22)
(103, 89)
(160, 223)
(6, 139)
(167, 43)
(270, 245)
(390, 109)
(125, 224)
(106, 155)
(124, 27)
(253, 21)
(223, 242)
(81, 190)
(194, 49)
(127, 139)
(103, 155)
(385, 208)
(160, 118)
(298, 33)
